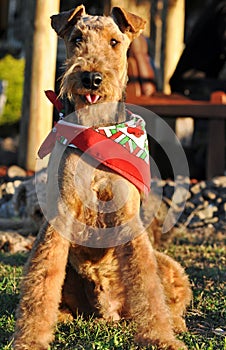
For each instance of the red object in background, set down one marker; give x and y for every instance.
(3, 170)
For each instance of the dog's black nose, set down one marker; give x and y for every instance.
(91, 80)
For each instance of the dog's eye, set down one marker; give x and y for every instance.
(113, 42)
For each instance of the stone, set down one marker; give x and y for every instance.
(180, 195)
(202, 184)
(9, 144)
(190, 205)
(220, 181)
(219, 200)
(209, 194)
(16, 171)
(195, 224)
(197, 199)
(210, 226)
(14, 242)
(17, 183)
(161, 183)
(224, 206)
(195, 188)
(212, 220)
(10, 188)
(207, 213)
(206, 204)
(2, 190)
(183, 180)
(171, 183)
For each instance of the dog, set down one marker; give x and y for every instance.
(93, 254)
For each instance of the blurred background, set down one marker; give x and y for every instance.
(184, 54)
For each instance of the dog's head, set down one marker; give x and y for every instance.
(65, 22)
(96, 67)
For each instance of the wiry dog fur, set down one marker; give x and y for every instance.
(129, 280)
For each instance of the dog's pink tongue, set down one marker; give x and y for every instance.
(92, 98)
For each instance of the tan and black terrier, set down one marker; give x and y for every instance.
(93, 254)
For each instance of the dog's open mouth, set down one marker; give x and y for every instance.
(91, 99)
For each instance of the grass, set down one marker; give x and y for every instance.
(202, 255)
(12, 70)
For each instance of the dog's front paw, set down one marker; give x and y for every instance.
(17, 345)
(167, 344)
(179, 325)
(176, 345)
(64, 316)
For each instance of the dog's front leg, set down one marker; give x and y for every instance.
(145, 300)
(41, 291)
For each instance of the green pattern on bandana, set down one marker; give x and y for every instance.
(123, 134)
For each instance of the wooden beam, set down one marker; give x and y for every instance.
(215, 160)
(37, 108)
(174, 41)
(175, 107)
(216, 148)
(29, 18)
(214, 111)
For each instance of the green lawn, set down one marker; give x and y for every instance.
(203, 256)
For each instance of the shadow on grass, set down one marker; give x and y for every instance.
(18, 259)
(215, 273)
(8, 304)
(5, 337)
(207, 313)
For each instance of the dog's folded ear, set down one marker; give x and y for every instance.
(64, 21)
(128, 23)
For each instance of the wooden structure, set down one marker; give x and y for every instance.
(174, 39)
(40, 74)
(174, 105)
(213, 110)
(40, 69)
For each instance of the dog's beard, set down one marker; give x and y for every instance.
(101, 114)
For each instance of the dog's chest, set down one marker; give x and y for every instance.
(93, 192)
(93, 263)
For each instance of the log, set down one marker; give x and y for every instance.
(174, 42)
(13, 242)
(37, 110)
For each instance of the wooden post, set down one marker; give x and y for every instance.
(158, 15)
(174, 41)
(216, 137)
(37, 121)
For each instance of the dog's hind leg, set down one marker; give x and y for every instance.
(145, 300)
(41, 291)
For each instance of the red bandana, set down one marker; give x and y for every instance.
(122, 147)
